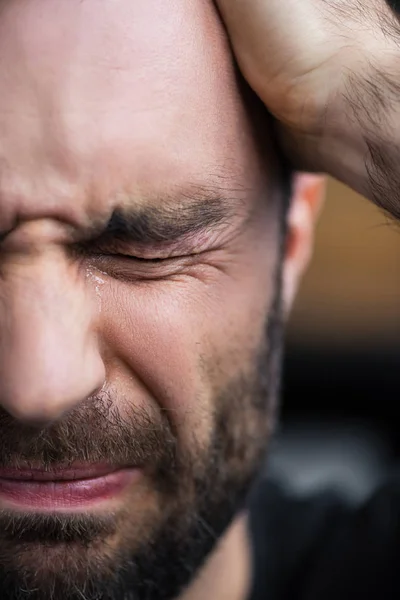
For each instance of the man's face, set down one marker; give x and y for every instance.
(138, 269)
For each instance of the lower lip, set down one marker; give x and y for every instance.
(68, 494)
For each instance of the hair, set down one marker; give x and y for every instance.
(263, 120)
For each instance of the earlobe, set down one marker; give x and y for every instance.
(307, 200)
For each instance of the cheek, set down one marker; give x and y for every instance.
(183, 339)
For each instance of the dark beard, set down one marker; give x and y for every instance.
(167, 560)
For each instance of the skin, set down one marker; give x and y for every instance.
(135, 107)
(327, 71)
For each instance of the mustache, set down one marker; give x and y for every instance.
(95, 432)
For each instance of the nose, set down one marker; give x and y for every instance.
(49, 355)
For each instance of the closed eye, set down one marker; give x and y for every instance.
(138, 258)
(129, 267)
(115, 251)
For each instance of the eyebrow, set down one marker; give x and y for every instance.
(169, 220)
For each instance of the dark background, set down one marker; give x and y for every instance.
(340, 408)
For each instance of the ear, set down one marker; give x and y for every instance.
(306, 203)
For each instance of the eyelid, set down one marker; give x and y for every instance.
(143, 253)
(174, 254)
(142, 259)
(115, 248)
(105, 252)
(131, 269)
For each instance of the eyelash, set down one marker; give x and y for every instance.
(132, 268)
(97, 251)
(140, 259)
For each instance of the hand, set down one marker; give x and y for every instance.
(328, 70)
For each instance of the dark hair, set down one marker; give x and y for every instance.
(265, 124)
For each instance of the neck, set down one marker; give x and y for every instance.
(227, 573)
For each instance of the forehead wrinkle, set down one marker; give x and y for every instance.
(97, 141)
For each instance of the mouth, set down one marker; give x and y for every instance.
(75, 487)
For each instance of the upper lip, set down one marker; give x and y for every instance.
(72, 472)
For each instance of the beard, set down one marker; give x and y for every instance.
(190, 495)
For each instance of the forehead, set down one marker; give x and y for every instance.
(98, 98)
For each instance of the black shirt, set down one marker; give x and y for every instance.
(319, 548)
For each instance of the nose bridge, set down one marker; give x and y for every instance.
(49, 360)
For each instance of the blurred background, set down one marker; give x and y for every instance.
(340, 421)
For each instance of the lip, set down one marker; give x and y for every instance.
(72, 472)
(61, 489)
